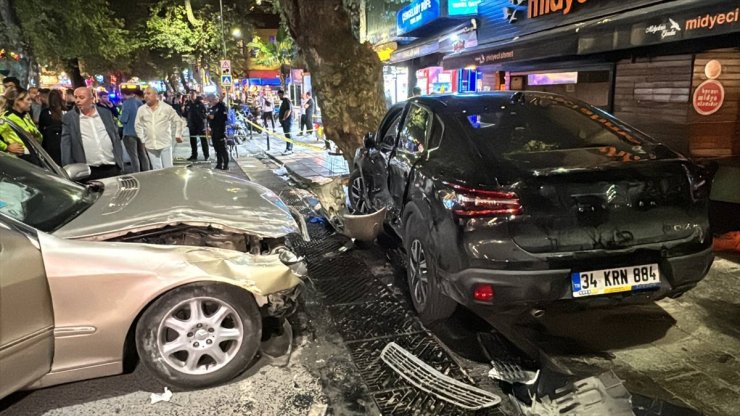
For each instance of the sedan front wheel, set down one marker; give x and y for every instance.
(199, 335)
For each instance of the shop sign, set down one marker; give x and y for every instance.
(416, 15)
(708, 97)
(665, 30)
(537, 8)
(494, 57)
(462, 7)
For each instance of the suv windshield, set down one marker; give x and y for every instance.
(531, 123)
(37, 198)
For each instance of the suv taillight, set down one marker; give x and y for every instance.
(470, 202)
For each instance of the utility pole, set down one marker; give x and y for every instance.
(223, 41)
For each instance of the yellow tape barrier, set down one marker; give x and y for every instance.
(285, 139)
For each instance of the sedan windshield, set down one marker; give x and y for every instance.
(37, 198)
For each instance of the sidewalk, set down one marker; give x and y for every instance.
(309, 160)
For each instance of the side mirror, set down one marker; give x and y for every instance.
(369, 140)
(77, 171)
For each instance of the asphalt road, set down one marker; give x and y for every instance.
(684, 351)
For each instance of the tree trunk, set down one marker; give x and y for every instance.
(73, 71)
(347, 77)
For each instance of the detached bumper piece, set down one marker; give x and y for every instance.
(602, 395)
(426, 378)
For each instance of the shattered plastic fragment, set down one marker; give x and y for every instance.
(511, 372)
(164, 397)
(602, 395)
(426, 378)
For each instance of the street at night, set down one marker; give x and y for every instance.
(369, 207)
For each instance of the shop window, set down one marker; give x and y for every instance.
(415, 130)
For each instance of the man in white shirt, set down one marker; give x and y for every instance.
(158, 126)
(89, 135)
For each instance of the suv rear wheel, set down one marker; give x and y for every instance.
(421, 272)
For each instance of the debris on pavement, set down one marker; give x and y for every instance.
(426, 378)
(281, 171)
(511, 373)
(164, 397)
(602, 395)
(333, 205)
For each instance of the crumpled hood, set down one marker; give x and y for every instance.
(181, 195)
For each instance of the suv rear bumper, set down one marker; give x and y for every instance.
(541, 287)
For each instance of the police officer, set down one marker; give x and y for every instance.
(17, 112)
(217, 122)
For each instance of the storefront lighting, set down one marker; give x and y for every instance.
(471, 67)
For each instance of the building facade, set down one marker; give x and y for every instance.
(670, 68)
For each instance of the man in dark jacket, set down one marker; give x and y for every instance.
(196, 124)
(217, 122)
(89, 135)
(134, 147)
(285, 116)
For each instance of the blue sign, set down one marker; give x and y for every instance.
(462, 7)
(416, 15)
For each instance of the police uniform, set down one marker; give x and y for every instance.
(9, 136)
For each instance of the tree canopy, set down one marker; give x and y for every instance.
(138, 37)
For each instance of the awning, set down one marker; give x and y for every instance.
(654, 25)
(263, 73)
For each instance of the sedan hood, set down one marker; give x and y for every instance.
(181, 195)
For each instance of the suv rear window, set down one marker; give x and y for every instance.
(536, 123)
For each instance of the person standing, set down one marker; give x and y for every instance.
(284, 116)
(89, 135)
(196, 122)
(35, 104)
(158, 126)
(50, 124)
(17, 111)
(11, 83)
(104, 101)
(267, 111)
(308, 108)
(69, 98)
(217, 122)
(134, 147)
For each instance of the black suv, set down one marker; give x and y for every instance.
(524, 199)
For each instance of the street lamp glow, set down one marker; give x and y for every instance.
(237, 33)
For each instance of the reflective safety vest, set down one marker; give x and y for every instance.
(8, 135)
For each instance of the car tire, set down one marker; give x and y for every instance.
(357, 194)
(223, 338)
(433, 305)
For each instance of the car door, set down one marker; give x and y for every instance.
(26, 315)
(410, 147)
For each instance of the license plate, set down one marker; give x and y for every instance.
(618, 279)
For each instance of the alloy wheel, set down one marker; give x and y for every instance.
(357, 195)
(418, 273)
(200, 335)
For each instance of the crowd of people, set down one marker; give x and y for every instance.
(80, 126)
